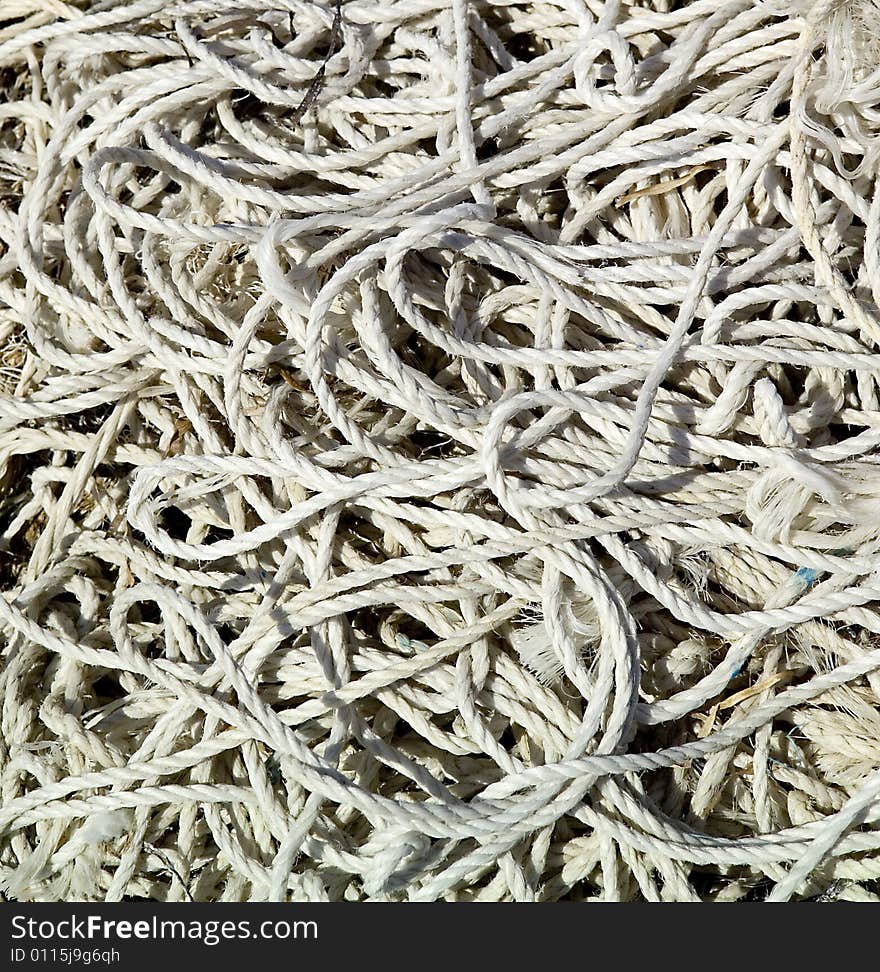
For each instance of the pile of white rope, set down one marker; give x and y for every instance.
(440, 450)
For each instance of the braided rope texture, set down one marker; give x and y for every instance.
(440, 450)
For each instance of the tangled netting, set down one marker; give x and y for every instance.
(440, 450)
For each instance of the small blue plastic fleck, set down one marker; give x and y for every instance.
(807, 574)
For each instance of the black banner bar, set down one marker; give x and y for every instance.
(132, 936)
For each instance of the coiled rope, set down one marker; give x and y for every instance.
(439, 450)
